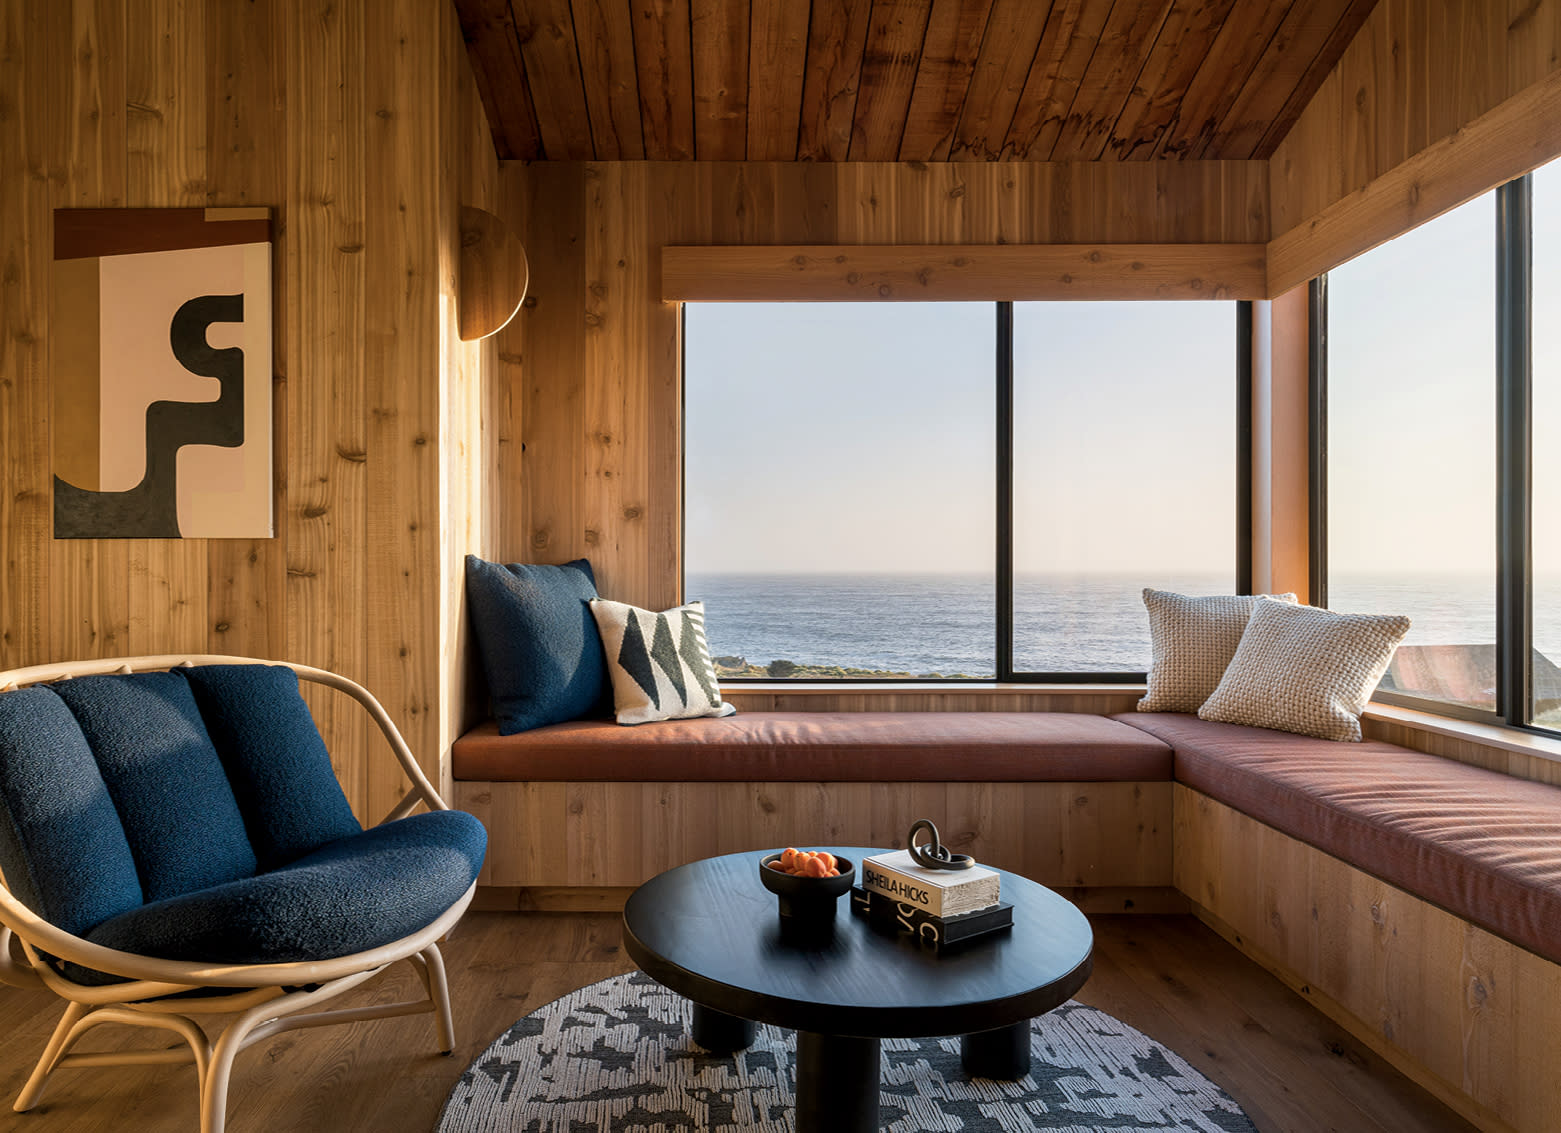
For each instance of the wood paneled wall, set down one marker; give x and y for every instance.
(1281, 454)
(588, 459)
(357, 123)
(1416, 75)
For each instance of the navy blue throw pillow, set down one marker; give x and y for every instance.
(165, 778)
(540, 646)
(62, 846)
(275, 759)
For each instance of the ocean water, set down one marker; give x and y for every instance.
(945, 623)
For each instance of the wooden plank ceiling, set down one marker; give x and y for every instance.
(907, 80)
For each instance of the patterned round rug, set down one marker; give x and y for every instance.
(616, 1057)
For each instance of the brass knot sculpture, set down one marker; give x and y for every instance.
(934, 854)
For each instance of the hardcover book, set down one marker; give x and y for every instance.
(936, 932)
(941, 892)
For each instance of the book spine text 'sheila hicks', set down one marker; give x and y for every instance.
(940, 893)
(875, 879)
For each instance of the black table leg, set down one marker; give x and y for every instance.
(837, 1084)
(1003, 1053)
(720, 1033)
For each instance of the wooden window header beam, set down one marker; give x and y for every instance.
(1512, 138)
(955, 272)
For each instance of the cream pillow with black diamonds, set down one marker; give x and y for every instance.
(1191, 640)
(660, 663)
(1305, 670)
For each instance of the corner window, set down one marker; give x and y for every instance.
(1441, 376)
(1412, 450)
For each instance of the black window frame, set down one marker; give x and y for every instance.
(1004, 573)
(1513, 391)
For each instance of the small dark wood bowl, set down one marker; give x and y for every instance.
(807, 897)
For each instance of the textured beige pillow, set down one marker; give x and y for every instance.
(1191, 640)
(1305, 670)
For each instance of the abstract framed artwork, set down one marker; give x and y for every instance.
(160, 340)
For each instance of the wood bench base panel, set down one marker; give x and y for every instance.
(622, 834)
(1473, 1018)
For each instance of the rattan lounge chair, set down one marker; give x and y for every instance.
(174, 844)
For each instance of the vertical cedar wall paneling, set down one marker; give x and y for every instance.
(357, 122)
(588, 455)
(1415, 74)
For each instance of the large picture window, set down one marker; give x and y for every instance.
(838, 492)
(1124, 473)
(1412, 449)
(1440, 448)
(955, 490)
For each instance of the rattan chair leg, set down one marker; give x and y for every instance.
(214, 1083)
(33, 1090)
(432, 970)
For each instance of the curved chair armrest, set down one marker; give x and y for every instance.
(13, 969)
(38, 935)
(422, 790)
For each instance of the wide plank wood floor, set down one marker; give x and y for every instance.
(1293, 1069)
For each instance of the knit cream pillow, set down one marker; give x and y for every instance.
(1191, 640)
(1305, 670)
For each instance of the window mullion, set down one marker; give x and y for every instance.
(1514, 451)
(1244, 447)
(1317, 437)
(1005, 491)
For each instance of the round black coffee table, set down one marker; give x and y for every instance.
(712, 933)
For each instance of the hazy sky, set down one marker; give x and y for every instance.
(839, 436)
(1412, 400)
(1412, 395)
(860, 436)
(1125, 438)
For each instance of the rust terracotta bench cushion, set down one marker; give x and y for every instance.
(1482, 845)
(822, 747)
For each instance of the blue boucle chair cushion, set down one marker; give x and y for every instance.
(62, 847)
(275, 759)
(165, 778)
(541, 650)
(356, 893)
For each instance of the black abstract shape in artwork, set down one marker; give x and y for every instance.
(150, 510)
(694, 656)
(665, 654)
(635, 659)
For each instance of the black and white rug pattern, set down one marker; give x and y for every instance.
(616, 1057)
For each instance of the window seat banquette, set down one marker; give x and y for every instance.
(828, 747)
(1480, 844)
(1070, 799)
(1415, 898)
